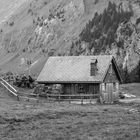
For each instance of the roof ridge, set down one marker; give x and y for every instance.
(59, 68)
(81, 56)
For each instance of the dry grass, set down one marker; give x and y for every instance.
(58, 121)
(132, 88)
(64, 121)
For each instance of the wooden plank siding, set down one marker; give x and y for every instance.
(111, 76)
(94, 88)
(82, 88)
(110, 86)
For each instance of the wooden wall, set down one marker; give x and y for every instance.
(110, 87)
(111, 76)
(81, 88)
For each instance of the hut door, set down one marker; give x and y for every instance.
(109, 89)
(94, 89)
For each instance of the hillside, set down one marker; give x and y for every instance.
(42, 28)
(8, 7)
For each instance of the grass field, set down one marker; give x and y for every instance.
(64, 121)
(132, 88)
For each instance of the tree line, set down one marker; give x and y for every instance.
(100, 32)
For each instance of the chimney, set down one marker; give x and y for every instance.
(93, 67)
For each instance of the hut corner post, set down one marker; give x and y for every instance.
(106, 96)
(101, 94)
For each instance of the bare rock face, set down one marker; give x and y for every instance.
(129, 54)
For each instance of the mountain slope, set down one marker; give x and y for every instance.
(42, 28)
(8, 7)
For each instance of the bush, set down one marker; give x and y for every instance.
(11, 23)
(96, 1)
(24, 50)
(137, 21)
(45, 2)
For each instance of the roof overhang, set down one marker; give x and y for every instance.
(118, 71)
(51, 74)
(68, 82)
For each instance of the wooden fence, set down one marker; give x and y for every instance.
(52, 97)
(9, 78)
(14, 92)
(10, 88)
(72, 97)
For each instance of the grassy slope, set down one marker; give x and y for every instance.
(133, 88)
(23, 21)
(23, 30)
(8, 7)
(64, 121)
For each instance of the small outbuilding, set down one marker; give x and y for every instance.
(95, 75)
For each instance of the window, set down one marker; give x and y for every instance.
(111, 69)
(103, 86)
(114, 87)
(80, 88)
(117, 86)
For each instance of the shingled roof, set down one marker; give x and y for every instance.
(74, 69)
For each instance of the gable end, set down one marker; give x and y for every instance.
(112, 74)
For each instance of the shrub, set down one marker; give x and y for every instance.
(24, 50)
(45, 3)
(11, 23)
(137, 21)
(96, 1)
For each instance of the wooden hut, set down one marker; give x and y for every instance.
(95, 75)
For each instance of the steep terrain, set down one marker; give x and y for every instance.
(42, 28)
(8, 7)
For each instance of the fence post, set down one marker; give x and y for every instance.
(59, 98)
(17, 98)
(90, 98)
(69, 99)
(81, 100)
